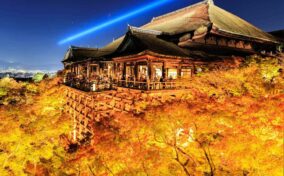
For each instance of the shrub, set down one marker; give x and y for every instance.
(31, 88)
(3, 92)
(268, 66)
(10, 83)
(39, 77)
(13, 92)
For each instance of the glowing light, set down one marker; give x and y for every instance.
(115, 20)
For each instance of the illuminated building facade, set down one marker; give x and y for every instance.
(173, 46)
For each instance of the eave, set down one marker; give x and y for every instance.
(203, 46)
(230, 34)
(147, 53)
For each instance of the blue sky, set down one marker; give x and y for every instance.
(31, 29)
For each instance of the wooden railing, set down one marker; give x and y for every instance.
(151, 85)
(132, 84)
(90, 86)
(140, 85)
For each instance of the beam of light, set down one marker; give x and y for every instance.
(115, 20)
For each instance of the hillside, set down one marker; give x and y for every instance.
(231, 123)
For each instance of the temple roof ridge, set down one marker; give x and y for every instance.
(82, 48)
(134, 29)
(182, 9)
(210, 2)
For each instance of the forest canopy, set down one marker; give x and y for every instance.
(230, 123)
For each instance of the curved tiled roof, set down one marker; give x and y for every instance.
(188, 19)
(180, 21)
(204, 14)
(232, 24)
(75, 54)
(136, 42)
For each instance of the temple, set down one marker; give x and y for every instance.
(170, 48)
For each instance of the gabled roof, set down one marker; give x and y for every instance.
(278, 34)
(181, 21)
(137, 42)
(201, 16)
(75, 54)
(224, 21)
(205, 14)
(140, 40)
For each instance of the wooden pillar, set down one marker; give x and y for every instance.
(74, 126)
(149, 74)
(97, 68)
(77, 69)
(100, 68)
(153, 71)
(114, 70)
(193, 70)
(111, 69)
(164, 71)
(124, 71)
(88, 70)
(118, 71)
(108, 69)
(135, 70)
(179, 71)
(150, 70)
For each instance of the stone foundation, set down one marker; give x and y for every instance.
(85, 108)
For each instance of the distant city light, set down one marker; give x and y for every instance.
(115, 20)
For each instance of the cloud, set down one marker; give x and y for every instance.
(8, 65)
(13, 70)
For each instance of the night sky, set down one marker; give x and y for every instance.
(31, 29)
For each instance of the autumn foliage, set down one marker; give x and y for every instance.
(227, 123)
(31, 121)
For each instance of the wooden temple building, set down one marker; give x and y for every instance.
(173, 46)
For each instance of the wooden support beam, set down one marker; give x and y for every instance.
(88, 70)
(150, 70)
(124, 71)
(135, 71)
(179, 71)
(164, 74)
